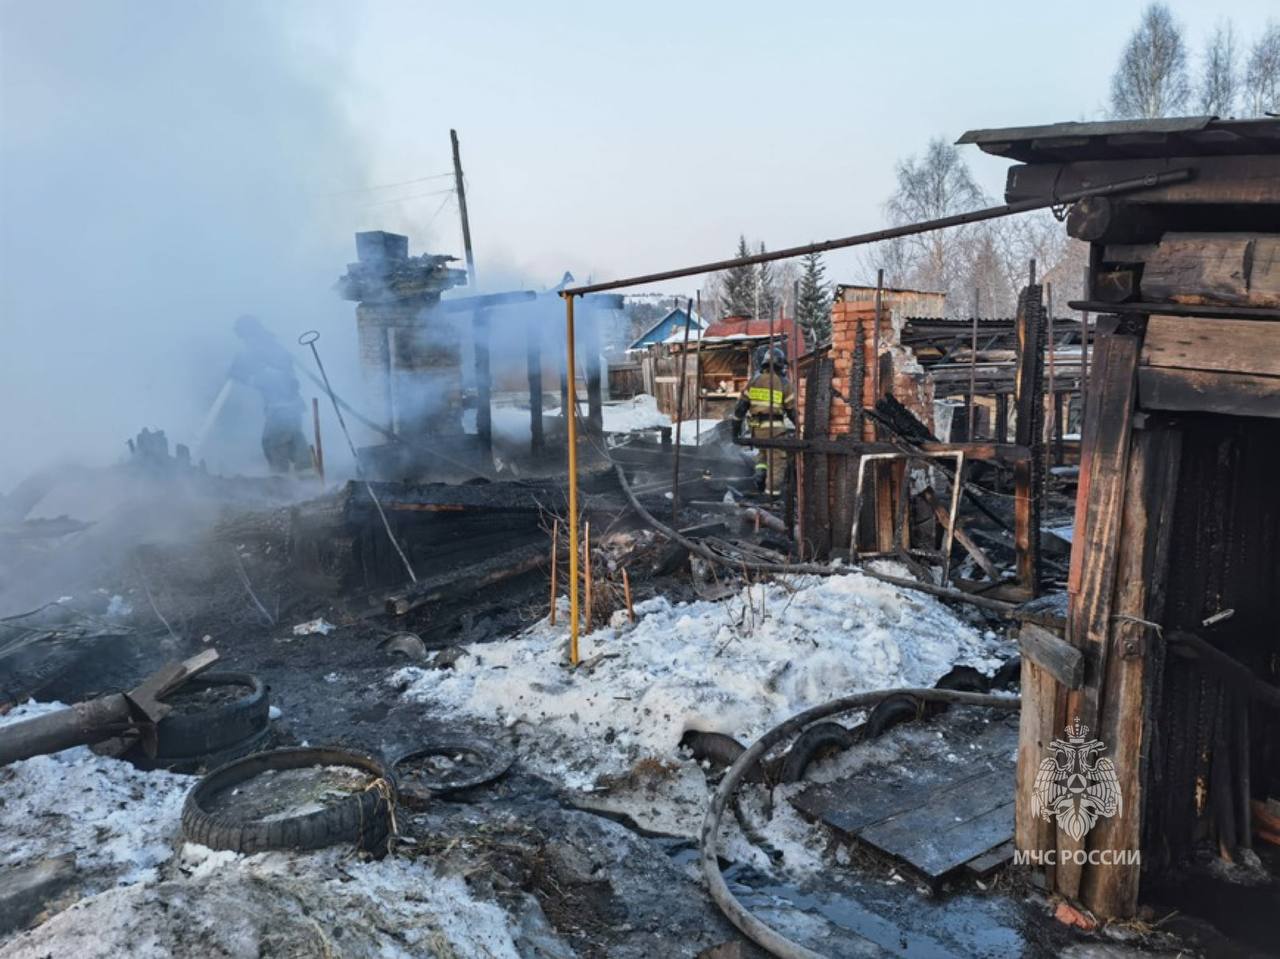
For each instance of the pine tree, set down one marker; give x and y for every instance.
(768, 296)
(814, 309)
(737, 292)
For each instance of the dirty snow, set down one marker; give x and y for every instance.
(119, 822)
(137, 898)
(738, 667)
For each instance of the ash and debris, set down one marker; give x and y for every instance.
(586, 847)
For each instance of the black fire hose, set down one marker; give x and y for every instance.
(765, 936)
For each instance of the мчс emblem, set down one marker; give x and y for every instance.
(1076, 785)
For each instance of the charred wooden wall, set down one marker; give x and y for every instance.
(1211, 752)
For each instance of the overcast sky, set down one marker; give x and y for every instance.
(165, 166)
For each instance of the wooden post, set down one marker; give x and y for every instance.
(319, 447)
(484, 385)
(973, 373)
(555, 548)
(1099, 510)
(460, 188)
(680, 383)
(591, 366)
(1051, 350)
(586, 576)
(875, 341)
(1130, 676)
(626, 594)
(533, 358)
(697, 374)
(570, 408)
(1028, 400)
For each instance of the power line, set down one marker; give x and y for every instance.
(388, 186)
(415, 196)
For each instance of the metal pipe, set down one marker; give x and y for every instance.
(572, 408)
(891, 233)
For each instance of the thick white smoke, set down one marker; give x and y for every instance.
(164, 167)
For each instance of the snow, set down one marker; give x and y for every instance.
(119, 822)
(638, 413)
(737, 667)
(137, 897)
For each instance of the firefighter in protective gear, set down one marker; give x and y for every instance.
(766, 404)
(267, 367)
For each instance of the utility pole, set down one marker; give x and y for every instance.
(462, 209)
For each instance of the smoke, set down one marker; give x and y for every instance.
(163, 169)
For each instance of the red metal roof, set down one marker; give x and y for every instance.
(742, 327)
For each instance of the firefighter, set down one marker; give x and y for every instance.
(766, 404)
(267, 367)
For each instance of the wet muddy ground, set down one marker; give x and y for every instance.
(604, 888)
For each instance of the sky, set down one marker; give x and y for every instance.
(166, 166)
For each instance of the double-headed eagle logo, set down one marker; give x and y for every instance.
(1076, 785)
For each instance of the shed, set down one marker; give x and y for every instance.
(1174, 590)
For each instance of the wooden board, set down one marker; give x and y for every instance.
(1100, 499)
(1239, 269)
(1060, 659)
(1232, 394)
(935, 815)
(1124, 720)
(1227, 346)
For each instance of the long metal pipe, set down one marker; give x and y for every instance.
(893, 232)
(572, 407)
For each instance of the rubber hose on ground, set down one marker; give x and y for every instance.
(760, 933)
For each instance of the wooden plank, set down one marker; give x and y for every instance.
(961, 535)
(1037, 728)
(1125, 717)
(1100, 498)
(1198, 268)
(991, 860)
(1232, 394)
(1055, 656)
(957, 825)
(1228, 346)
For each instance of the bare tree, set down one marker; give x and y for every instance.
(1262, 75)
(935, 185)
(1151, 80)
(1220, 73)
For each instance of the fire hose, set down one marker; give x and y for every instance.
(762, 934)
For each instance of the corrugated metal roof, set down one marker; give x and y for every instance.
(1128, 139)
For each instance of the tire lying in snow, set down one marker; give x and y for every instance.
(451, 764)
(818, 740)
(290, 799)
(212, 713)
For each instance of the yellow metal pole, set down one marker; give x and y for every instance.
(573, 479)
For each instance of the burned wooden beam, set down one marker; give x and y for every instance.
(1055, 656)
(457, 584)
